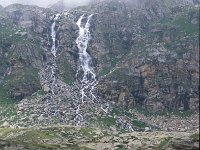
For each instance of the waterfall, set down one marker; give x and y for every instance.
(53, 51)
(85, 72)
(53, 35)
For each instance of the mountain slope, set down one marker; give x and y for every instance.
(145, 56)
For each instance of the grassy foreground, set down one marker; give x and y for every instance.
(85, 138)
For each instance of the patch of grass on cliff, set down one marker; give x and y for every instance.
(183, 114)
(168, 113)
(66, 70)
(4, 97)
(105, 71)
(27, 75)
(119, 74)
(120, 111)
(116, 111)
(36, 94)
(113, 62)
(106, 121)
(8, 36)
(8, 111)
(6, 30)
(4, 65)
(139, 123)
(183, 23)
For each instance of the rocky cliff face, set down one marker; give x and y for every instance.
(145, 55)
(23, 32)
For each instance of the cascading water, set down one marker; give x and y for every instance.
(53, 51)
(85, 73)
(53, 35)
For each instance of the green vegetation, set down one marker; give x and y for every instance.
(105, 71)
(28, 75)
(4, 65)
(107, 121)
(75, 138)
(139, 123)
(134, 121)
(4, 132)
(119, 49)
(42, 138)
(9, 35)
(120, 75)
(24, 75)
(4, 97)
(37, 135)
(163, 144)
(113, 62)
(183, 114)
(27, 81)
(7, 108)
(88, 132)
(121, 147)
(41, 92)
(66, 70)
(116, 111)
(183, 22)
(195, 137)
(36, 94)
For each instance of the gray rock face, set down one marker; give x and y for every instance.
(141, 58)
(121, 32)
(28, 16)
(23, 32)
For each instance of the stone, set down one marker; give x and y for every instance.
(147, 129)
(46, 88)
(6, 124)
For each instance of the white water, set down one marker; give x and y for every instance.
(85, 72)
(53, 51)
(53, 35)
